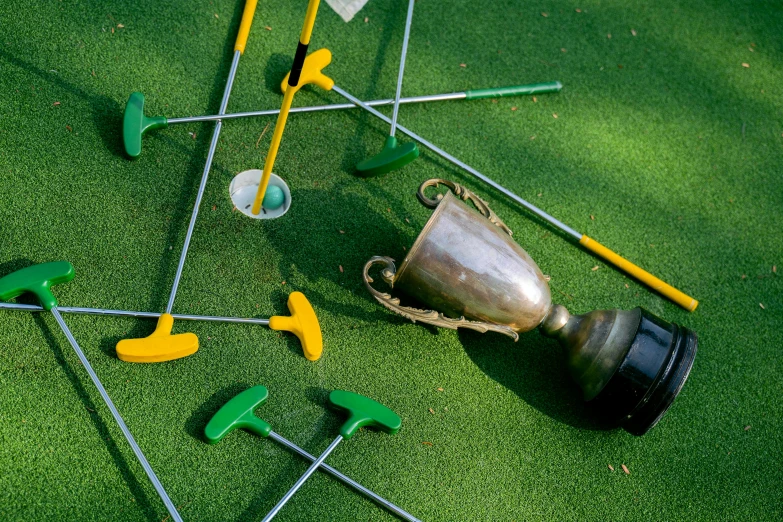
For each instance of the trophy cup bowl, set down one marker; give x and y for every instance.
(465, 265)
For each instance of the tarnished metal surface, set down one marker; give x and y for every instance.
(464, 265)
(595, 343)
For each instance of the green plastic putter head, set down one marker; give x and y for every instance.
(392, 157)
(37, 279)
(238, 413)
(363, 411)
(135, 124)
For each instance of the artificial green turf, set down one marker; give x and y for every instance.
(661, 135)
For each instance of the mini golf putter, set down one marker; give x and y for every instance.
(136, 124)
(162, 346)
(38, 280)
(312, 72)
(296, 81)
(248, 189)
(393, 157)
(362, 411)
(237, 413)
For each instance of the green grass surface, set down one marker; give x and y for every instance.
(661, 135)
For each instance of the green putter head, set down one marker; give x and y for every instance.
(238, 414)
(363, 411)
(37, 279)
(392, 157)
(135, 124)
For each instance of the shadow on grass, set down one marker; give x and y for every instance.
(300, 242)
(278, 65)
(534, 369)
(106, 113)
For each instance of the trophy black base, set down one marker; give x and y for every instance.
(650, 376)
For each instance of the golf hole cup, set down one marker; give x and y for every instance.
(630, 365)
(243, 189)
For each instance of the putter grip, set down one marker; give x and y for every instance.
(666, 290)
(514, 90)
(296, 68)
(244, 25)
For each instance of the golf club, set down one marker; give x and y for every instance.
(136, 123)
(588, 243)
(302, 322)
(393, 156)
(38, 279)
(161, 345)
(237, 413)
(362, 411)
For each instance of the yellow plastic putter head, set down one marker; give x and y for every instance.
(311, 71)
(303, 323)
(160, 346)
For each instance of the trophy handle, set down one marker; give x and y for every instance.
(425, 316)
(464, 194)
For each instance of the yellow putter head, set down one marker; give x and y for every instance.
(311, 72)
(303, 323)
(160, 346)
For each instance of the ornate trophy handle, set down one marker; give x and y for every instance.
(425, 316)
(465, 195)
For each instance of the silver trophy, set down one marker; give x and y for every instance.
(465, 265)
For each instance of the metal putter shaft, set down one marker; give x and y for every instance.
(237, 413)
(38, 279)
(161, 345)
(393, 156)
(302, 322)
(362, 411)
(470, 94)
(588, 243)
(136, 124)
(239, 49)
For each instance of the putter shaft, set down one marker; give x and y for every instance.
(408, 20)
(319, 108)
(314, 466)
(118, 418)
(212, 147)
(344, 478)
(129, 313)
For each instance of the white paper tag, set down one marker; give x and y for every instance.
(346, 8)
